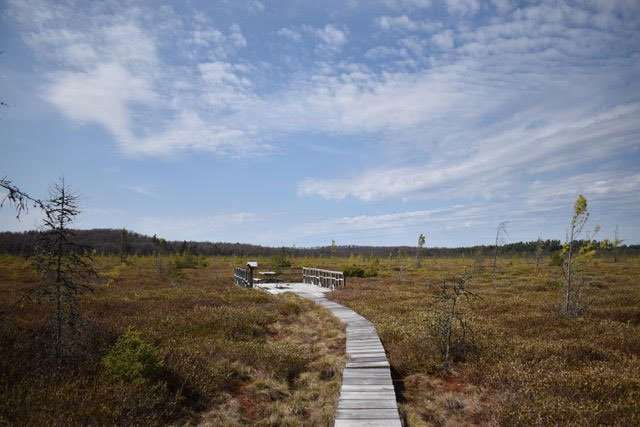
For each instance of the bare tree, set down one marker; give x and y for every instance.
(450, 326)
(538, 254)
(616, 244)
(18, 198)
(612, 245)
(124, 245)
(401, 266)
(66, 268)
(422, 239)
(501, 233)
(158, 245)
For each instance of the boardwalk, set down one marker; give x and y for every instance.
(367, 397)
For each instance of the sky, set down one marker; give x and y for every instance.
(294, 122)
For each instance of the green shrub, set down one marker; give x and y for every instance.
(371, 271)
(132, 359)
(556, 259)
(357, 271)
(353, 271)
(189, 261)
(280, 262)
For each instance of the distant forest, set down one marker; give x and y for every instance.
(111, 242)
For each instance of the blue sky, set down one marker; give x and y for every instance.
(300, 122)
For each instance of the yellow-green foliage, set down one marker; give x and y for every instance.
(132, 359)
(189, 261)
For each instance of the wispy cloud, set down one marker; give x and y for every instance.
(403, 22)
(498, 156)
(143, 190)
(111, 74)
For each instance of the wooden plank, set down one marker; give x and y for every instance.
(367, 395)
(368, 423)
(363, 403)
(367, 381)
(366, 414)
(367, 353)
(366, 373)
(366, 387)
(368, 364)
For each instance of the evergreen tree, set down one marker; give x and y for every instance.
(66, 268)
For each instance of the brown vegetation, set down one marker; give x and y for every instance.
(233, 356)
(227, 356)
(529, 365)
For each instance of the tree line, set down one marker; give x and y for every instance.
(116, 241)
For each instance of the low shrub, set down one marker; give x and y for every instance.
(353, 271)
(556, 259)
(280, 262)
(357, 271)
(132, 359)
(189, 261)
(371, 271)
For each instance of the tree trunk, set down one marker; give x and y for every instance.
(569, 272)
(60, 248)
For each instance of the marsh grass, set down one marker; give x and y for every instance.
(530, 366)
(225, 355)
(233, 356)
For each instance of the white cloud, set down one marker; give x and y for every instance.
(403, 22)
(447, 102)
(444, 39)
(190, 132)
(331, 36)
(541, 206)
(112, 76)
(102, 95)
(236, 36)
(142, 190)
(407, 4)
(226, 85)
(214, 41)
(207, 37)
(255, 6)
(502, 6)
(290, 34)
(497, 156)
(385, 52)
(463, 7)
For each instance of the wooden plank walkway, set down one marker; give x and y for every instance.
(367, 396)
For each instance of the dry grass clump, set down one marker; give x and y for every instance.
(227, 356)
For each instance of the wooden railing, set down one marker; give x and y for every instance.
(243, 277)
(324, 278)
